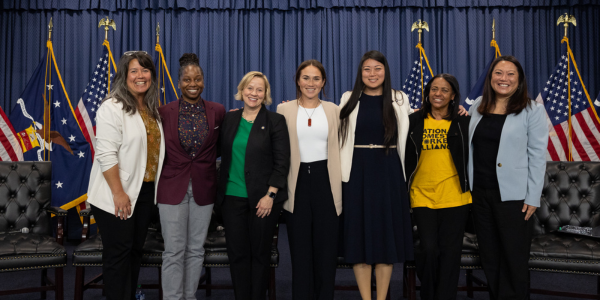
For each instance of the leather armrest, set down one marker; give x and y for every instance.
(85, 212)
(57, 211)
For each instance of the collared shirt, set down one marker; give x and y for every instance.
(153, 145)
(193, 126)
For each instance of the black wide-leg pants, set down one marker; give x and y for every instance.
(123, 243)
(504, 239)
(313, 234)
(437, 258)
(249, 240)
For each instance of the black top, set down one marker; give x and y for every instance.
(486, 142)
(458, 139)
(371, 132)
(267, 155)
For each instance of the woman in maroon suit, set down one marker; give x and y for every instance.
(187, 186)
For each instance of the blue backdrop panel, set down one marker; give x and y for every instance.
(234, 37)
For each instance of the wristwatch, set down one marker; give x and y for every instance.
(272, 195)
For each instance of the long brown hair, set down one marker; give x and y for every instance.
(315, 63)
(517, 102)
(120, 91)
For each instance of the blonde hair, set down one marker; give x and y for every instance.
(246, 81)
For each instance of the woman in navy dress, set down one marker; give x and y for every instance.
(377, 226)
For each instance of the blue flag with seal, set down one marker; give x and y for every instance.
(477, 90)
(44, 106)
(419, 75)
(166, 87)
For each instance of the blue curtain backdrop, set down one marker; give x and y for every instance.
(236, 36)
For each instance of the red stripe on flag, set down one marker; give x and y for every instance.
(589, 136)
(562, 137)
(552, 151)
(8, 146)
(84, 128)
(577, 146)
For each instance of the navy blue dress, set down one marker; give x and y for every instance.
(377, 226)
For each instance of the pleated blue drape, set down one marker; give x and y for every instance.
(234, 37)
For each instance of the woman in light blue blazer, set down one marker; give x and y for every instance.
(508, 137)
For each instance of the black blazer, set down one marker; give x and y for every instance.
(267, 155)
(458, 144)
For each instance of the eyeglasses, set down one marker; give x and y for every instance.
(134, 52)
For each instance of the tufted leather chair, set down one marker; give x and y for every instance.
(571, 196)
(25, 196)
(89, 254)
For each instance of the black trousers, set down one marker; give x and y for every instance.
(249, 240)
(313, 234)
(504, 242)
(122, 242)
(437, 258)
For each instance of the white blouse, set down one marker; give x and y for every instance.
(312, 140)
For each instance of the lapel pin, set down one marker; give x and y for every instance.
(262, 127)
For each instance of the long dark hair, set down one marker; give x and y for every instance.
(452, 107)
(389, 115)
(517, 102)
(315, 63)
(120, 91)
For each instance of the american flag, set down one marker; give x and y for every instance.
(420, 74)
(94, 92)
(566, 82)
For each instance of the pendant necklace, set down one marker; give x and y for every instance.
(313, 112)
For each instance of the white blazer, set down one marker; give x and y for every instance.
(121, 139)
(402, 109)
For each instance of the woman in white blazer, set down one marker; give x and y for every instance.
(314, 185)
(373, 129)
(508, 137)
(126, 168)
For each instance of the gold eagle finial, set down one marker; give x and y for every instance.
(107, 23)
(420, 25)
(566, 19)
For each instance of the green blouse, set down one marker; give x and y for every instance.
(236, 185)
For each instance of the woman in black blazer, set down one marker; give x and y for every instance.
(255, 161)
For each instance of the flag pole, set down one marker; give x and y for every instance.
(107, 23)
(565, 20)
(493, 42)
(46, 119)
(420, 25)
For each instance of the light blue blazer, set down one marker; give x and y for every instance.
(521, 161)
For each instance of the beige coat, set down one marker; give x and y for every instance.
(402, 109)
(332, 111)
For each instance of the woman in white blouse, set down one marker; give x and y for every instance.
(314, 185)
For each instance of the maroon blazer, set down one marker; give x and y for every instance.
(179, 167)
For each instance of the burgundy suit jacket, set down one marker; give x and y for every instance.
(179, 167)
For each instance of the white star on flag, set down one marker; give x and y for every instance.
(56, 104)
(50, 86)
(71, 138)
(81, 154)
(64, 121)
(59, 185)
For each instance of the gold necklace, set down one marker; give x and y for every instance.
(310, 116)
(251, 122)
